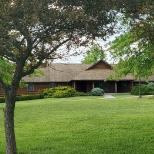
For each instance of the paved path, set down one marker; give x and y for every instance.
(107, 95)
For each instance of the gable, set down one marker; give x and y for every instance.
(100, 65)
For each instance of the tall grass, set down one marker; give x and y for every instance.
(83, 125)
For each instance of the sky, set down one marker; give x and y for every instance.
(82, 51)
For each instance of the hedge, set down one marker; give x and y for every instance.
(2, 100)
(145, 90)
(83, 94)
(25, 97)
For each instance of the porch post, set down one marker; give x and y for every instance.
(74, 85)
(132, 84)
(116, 87)
(93, 85)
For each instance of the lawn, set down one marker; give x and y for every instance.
(83, 125)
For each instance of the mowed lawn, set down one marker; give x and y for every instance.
(83, 125)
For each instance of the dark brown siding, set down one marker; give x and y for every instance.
(100, 65)
(38, 88)
(62, 84)
(1, 92)
(89, 86)
(124, 86)
(111, 87)
(81, 86)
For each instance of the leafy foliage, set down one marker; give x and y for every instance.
(6, 71)
(134, 56)
(150, 84)
(134, 49)
(49, 92)
(94, 55)
(31, 32)
(60, 92)
(145, 90)
(97, 92)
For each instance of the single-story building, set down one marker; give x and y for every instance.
(82, 77)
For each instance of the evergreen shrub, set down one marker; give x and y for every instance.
(150, 84)
(97, 92)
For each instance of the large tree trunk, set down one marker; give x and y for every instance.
(9, 127)
(10, 99)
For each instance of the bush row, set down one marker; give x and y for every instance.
(66, 91)
(25, 97)
(145, 90)
(58, 92)
(84, 94)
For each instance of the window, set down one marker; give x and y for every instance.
(30, 87)
(106, 86)
(103, 85)
(124, 86)
(52, 85)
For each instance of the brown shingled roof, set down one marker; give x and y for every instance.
(58, 73)
(98, 74)
(72, 72)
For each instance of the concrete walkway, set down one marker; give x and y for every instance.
(108, 95)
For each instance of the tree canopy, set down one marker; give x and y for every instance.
(134, 49)
(93, 55)
(133, 55)
(31, 31)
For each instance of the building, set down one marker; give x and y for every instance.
(82, 77)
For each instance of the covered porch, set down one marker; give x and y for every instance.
(107, 86)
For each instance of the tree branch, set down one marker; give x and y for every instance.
(42, 57)
(57, 46)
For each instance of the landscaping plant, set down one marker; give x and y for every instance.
(97, 92)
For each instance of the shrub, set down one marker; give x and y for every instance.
(60, 92)
(145, 90)
(29, 97)
(97, 92)
(2, 100)
(25, 97)
(150, 84)
(49, 92)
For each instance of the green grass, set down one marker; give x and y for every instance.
(83, 125)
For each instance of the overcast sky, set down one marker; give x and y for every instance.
(82, 50)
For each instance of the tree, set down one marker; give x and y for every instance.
(93, 55)
(31, 31)
(134, 49)
(135, 55)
